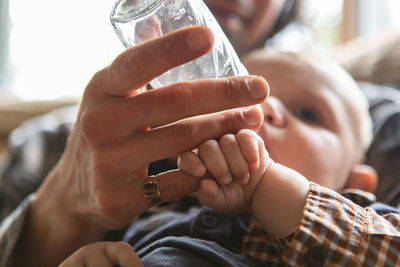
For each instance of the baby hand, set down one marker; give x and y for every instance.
(103, 254)
(232, 168)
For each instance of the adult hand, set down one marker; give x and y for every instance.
(121, 128)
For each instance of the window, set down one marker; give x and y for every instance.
(337, 21)
(376, 15)
(364, 17)
(56, 46)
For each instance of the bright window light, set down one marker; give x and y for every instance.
(56, 46)
(378, 15)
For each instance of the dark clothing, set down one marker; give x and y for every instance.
(197, 237)
(384, 151)
(201, 237)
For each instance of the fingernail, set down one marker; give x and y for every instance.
(245, 179)
(252, 116)
(199, 39)
(254, 165)
(226, 179)
(200, 171)
(259, 88)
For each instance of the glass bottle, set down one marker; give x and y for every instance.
(137, 21)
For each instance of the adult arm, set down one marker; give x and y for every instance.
(119, 130)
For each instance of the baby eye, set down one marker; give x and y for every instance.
(307, 115)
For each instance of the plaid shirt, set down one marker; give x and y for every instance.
(334, 232)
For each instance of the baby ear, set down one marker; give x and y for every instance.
(362, 177)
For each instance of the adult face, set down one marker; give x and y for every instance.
(246, 22)
(308, 125)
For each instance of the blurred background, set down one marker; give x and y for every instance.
(50, 49)
(53, 56)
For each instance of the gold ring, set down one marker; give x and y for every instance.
(151, 190)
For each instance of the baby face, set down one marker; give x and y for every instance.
(312, 118)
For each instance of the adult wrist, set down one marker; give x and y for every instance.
(54, 224)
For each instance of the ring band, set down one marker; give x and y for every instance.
(151, 190)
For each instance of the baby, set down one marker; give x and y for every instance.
(290, 174)
(316, 128)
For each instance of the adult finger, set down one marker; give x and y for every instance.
(186, 99)
(162, 106)
(170, 140)
(140, 64)
(99, 260)
(131, 202)
(175, 184)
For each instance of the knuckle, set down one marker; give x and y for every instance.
(135, 63)
(179, 95)
(227, 140)
(230, 122)
(241, 172)
(169, 47)
(234, 121)
(90, 122)
(229, 89)
(99, 79)
(98, 125)
(246, 134)
(182, 132)
(208, 146)
(87, 249)
(123, 245)
(131, 64)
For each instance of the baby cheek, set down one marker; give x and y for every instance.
(317, 157)
(329, 164)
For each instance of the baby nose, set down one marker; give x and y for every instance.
(273, 112)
